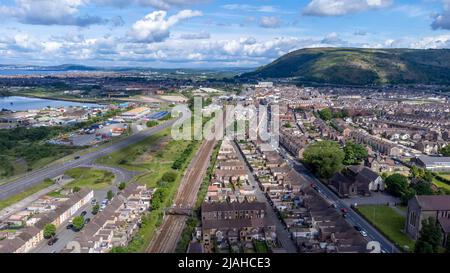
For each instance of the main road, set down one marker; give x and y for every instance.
(33, 178)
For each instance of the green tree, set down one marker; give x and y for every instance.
(122, 186)
(78, 222)
(397, 184)
(109, 195)
(423, 187)
(445, 151)
(326, 114)
(324, 158)
(169, 176)
(76, 189)
(95, 209)
(152, 123)
(416, 172)
(354, 154)
(49, 231)
(430, 237)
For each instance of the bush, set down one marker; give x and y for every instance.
(49, 231)
(152, 123)
(122, 186)
(78, 222)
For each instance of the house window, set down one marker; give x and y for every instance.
(412, 219)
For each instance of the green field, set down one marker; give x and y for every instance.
(441, 184)
(24, 194)
(389, 222)
(89, 178)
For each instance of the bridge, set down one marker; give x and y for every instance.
(180, 211)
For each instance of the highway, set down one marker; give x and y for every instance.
(38, 176)
(353, 218)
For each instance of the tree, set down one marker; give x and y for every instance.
(325, 158)
(152, 123)
(78, 222)
(445, 151)
(169, 176)
(76, 189)
(416, 172)
(397, 184)
(423, 187)
(326, 114)
(122, 186)
(430, 237)
(49, 231)
(354, 154)
(109, 195)
(95, 209)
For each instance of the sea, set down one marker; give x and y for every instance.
(17, 103)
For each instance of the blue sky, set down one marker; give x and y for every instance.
(209, 33)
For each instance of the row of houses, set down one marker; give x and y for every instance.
(116, 224)
(314, 224)
(28, 237)
(231, 216)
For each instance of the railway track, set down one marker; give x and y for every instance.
(168, 235)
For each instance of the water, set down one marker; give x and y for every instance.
(16, 103)
(16, 72)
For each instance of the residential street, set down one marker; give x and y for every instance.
(353, 218)
(282, 233)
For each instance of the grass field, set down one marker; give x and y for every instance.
(24, 194)
(89, 178)
(441, 184)
(389, 222)
(444, 175)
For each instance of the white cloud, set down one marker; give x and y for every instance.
(158, 4)
(154, 27)
(50, 12)
(433, 42)
(269, 22)
(442, 20)
(250, 8)
(195, 36)
(342, 7)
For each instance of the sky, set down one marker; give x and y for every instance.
(209, 33)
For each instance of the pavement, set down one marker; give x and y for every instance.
(353, 218)
(36, 177)
(283, 234)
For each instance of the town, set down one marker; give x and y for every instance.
(353, 166)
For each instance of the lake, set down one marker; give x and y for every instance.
(16, 103)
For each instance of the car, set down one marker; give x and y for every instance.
(344, 210)
(77, 157)
(69, 226)
(87, 220)
(52, 241)
(357, 228)
(93, 201)
(363, 233)
(344, 215)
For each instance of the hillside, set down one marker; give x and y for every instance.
(355, 66)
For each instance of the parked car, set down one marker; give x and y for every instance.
(77, 157)
(358, 228)
(83, 213)
(69, 226)
(87, 220)
(344, 210)
(93, 201)
(52, 241)
(363, 233)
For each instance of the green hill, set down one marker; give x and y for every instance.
(354, 66)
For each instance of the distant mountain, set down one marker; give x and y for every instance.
(354, 66)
